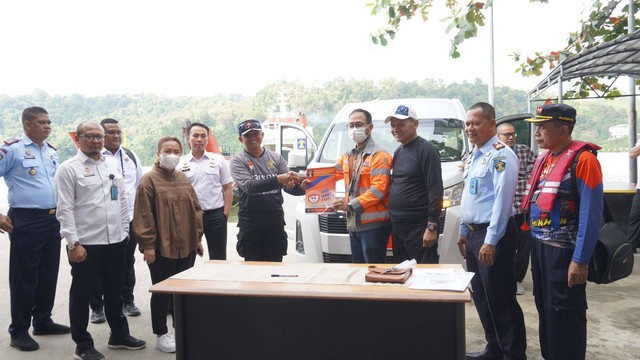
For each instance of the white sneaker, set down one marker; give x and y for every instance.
(519, 289)
(166, 343)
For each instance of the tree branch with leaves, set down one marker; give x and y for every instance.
(606, 21)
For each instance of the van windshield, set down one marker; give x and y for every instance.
(447, 135)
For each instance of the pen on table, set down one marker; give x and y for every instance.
(283, 275)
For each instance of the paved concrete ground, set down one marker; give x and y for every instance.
(613, 317)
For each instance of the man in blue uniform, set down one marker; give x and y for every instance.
(28, 165)
(488, 236)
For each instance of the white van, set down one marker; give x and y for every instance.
(324, 238)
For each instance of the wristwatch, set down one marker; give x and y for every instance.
(432, 227)
(73, 245)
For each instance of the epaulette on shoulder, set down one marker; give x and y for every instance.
(498, 145)
(11, 141)
(53, 147)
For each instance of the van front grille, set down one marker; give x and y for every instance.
(333, 224)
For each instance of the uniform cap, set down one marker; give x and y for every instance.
(551, 112)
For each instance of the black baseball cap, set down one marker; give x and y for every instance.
(248, 125)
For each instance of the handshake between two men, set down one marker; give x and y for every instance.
(290, 179)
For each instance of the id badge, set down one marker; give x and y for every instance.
(473, 186)
(114, 187)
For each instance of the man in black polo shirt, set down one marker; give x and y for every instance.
(416, 195)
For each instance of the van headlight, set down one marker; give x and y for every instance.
(452, 195)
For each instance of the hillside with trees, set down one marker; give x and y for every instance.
(147, 117)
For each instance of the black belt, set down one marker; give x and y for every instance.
(214, 210)
(34, 211)
(476, 227)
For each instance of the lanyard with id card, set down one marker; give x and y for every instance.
(114, 187)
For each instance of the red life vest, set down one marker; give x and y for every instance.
(550, 187)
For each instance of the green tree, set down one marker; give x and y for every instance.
(147, 117)
(605, 21)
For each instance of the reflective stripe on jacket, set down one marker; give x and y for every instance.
(368, 196)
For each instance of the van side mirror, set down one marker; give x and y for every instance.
(297, 159)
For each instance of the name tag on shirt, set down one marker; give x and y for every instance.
(473, 186)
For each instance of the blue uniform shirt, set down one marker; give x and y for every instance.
(490, 179)
(28, 171)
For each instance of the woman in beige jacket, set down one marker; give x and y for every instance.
(168, 225)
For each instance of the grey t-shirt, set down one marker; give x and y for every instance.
(261, 199)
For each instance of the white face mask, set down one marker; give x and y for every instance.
(169, 161)
(357, 134)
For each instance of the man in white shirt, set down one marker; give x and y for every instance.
(210, 177)
(131, 169)
(93, 211)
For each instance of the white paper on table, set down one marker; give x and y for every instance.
(406, 265)
(440, 279)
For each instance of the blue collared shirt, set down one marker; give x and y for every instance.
(29, 171)
(490, 179)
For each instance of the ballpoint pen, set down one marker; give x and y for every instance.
(283, 275)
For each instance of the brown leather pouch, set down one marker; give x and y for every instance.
(390, 275)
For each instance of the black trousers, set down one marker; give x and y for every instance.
(634, 222)
(34, 260)
(562, 310)
(268, 243)
(110, 259)
(494, 294)
(407, 243)
(215, 231)
(161, 269)
(97, 302)
(523, 251)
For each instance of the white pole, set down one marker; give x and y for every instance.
(491, 85)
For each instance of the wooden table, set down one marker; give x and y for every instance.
(281, 320)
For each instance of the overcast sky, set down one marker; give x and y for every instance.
(203, 48)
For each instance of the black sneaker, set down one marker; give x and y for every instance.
(88, 354)
(127, 342)
(52, 329)
(131, 310)
(24, 342)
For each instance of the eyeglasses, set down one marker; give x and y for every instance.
(357, 125)
(509, 134)
(92, 137)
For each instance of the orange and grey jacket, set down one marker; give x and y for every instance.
(367, 175)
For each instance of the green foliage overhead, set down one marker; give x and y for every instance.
(606, 20)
